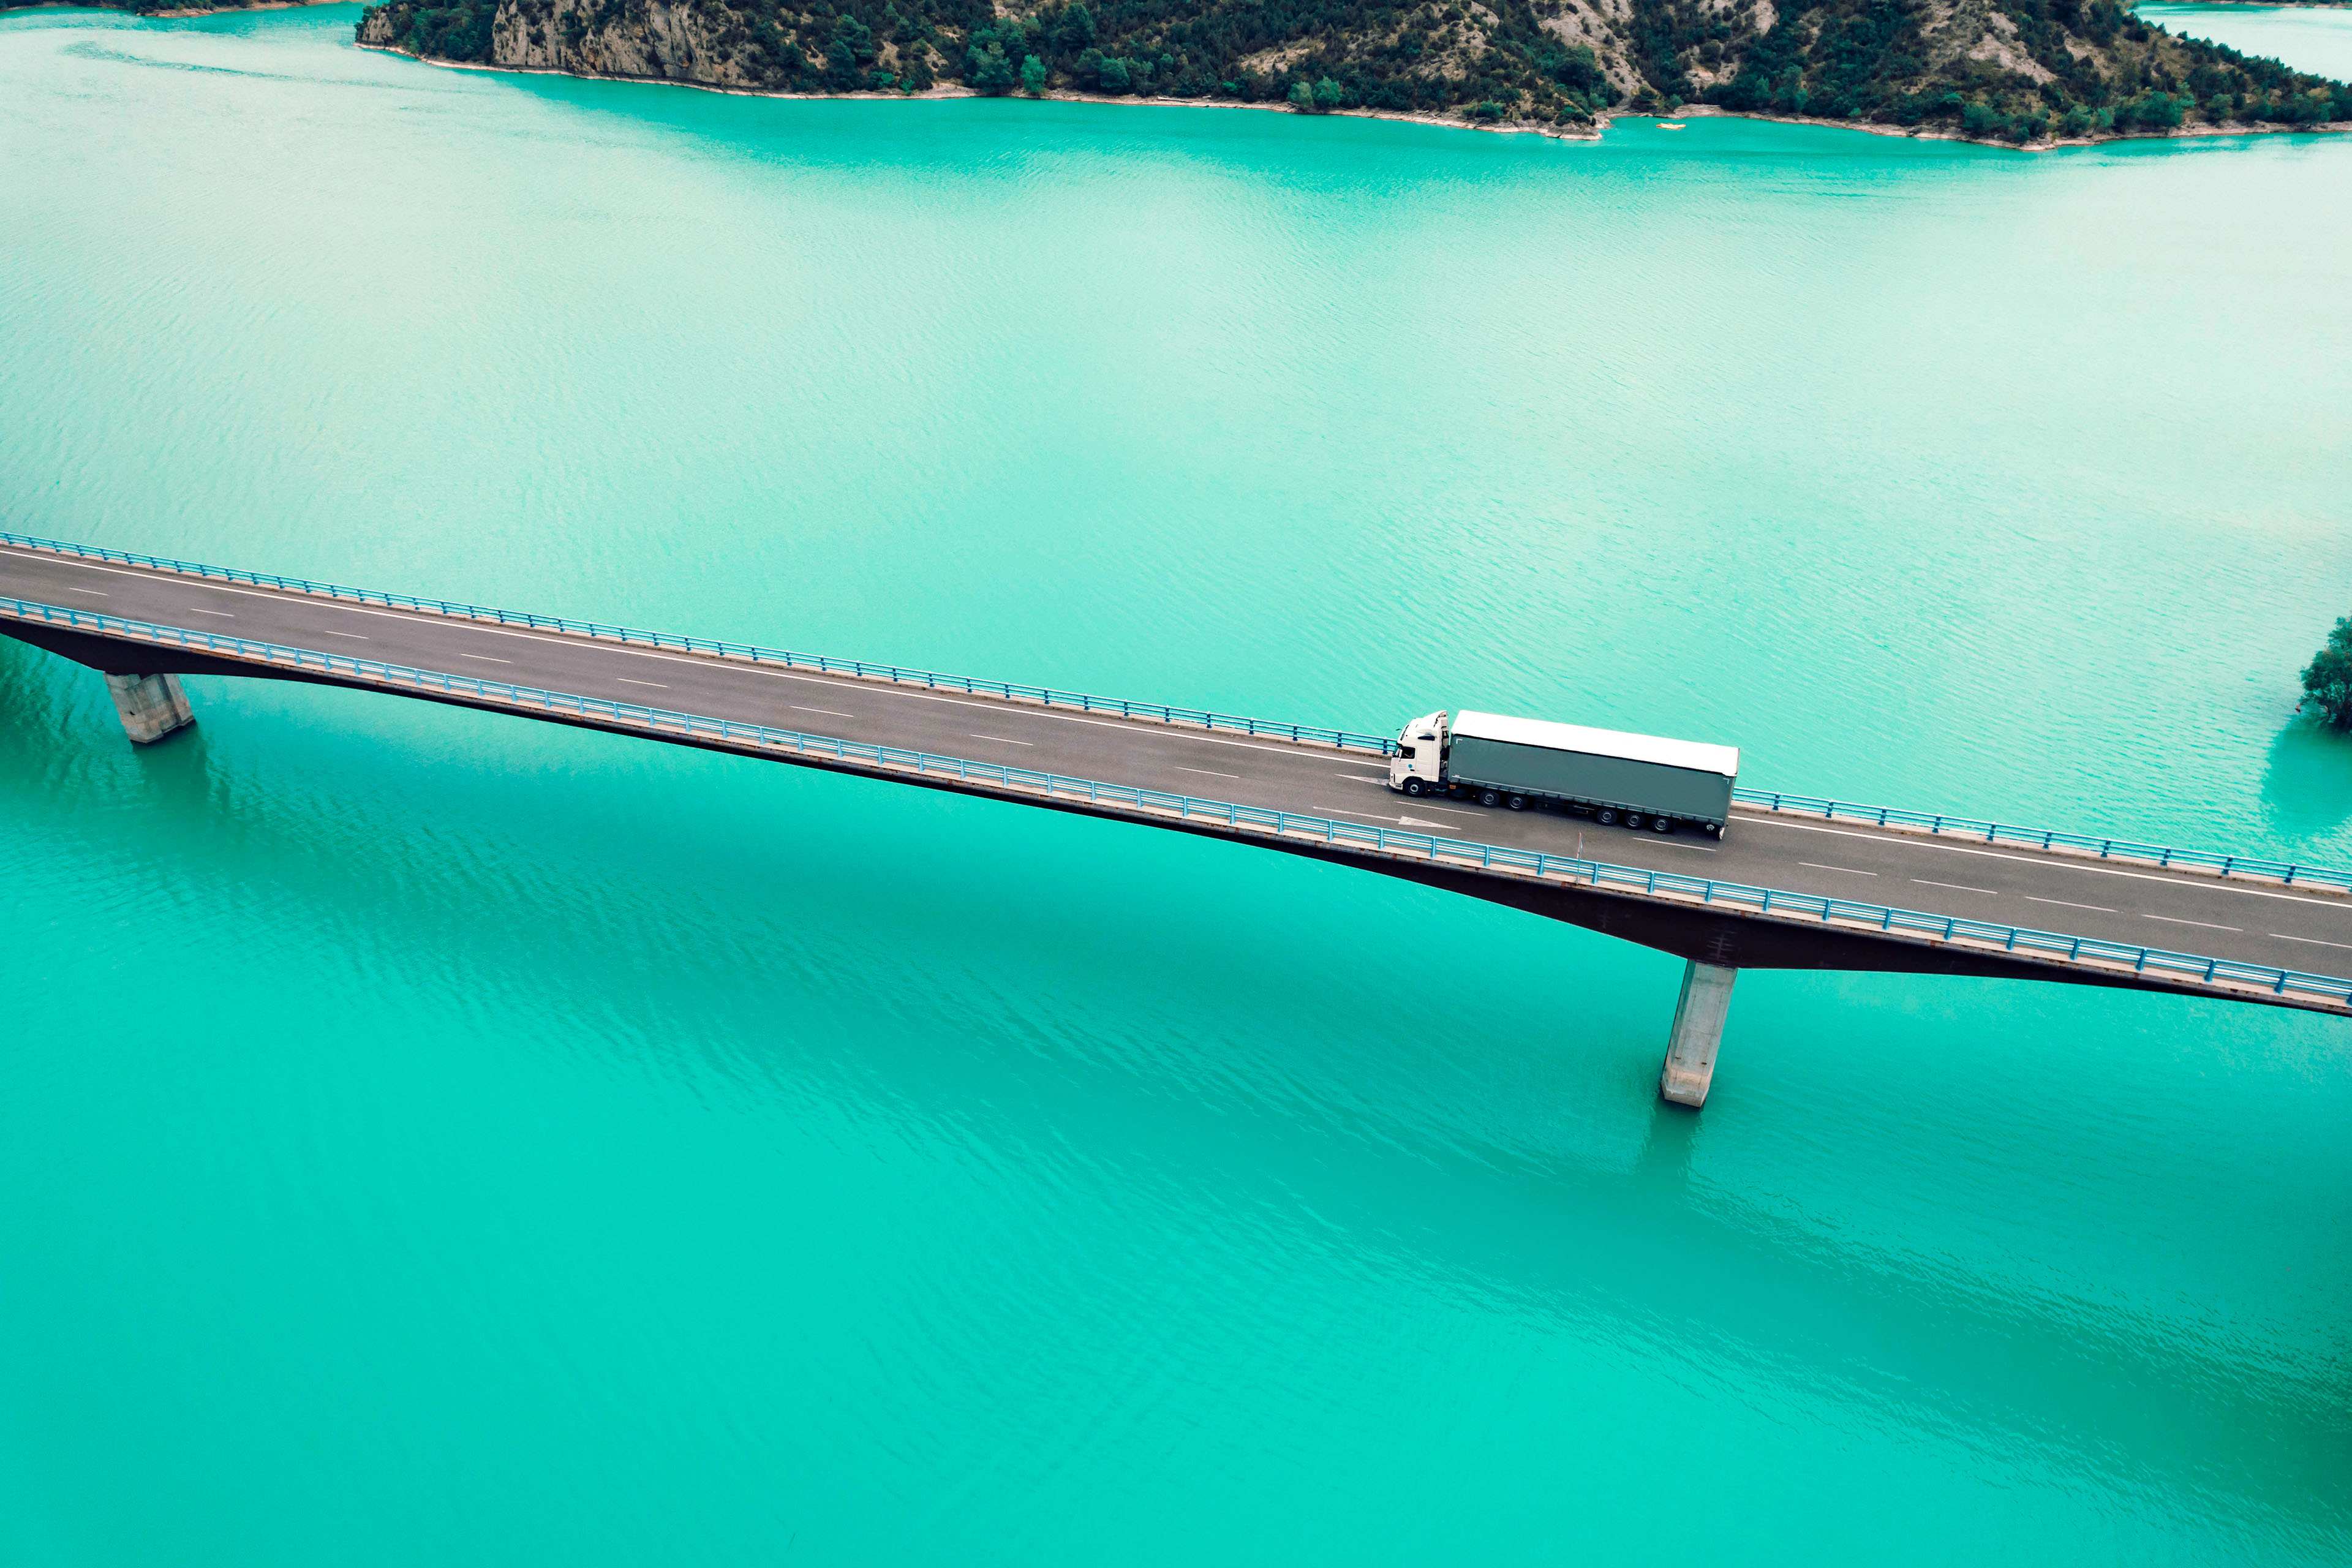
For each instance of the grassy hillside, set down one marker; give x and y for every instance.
(2015, 70)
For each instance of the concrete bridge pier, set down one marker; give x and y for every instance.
(152, 706)
(1698, 1029)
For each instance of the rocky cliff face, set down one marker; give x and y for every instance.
(683, 42)
(2012, 70)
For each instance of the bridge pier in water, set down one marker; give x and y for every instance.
(1689, 1067)
(152, 706)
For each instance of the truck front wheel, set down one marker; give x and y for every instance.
(1412, 787)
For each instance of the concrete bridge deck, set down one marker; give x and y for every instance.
(2255, 921)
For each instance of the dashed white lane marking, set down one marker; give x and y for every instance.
(2070, 904)
(656, 684)
(2209, 925)
(828, 713)
(997, 704)
(484, 658)
(1362, 778)
(354, 635)
(1099, 723)
(2053, 862)
(2314, 941)
(1207, 772)
(94, 592)
(1847, 869)
(223, 615)
(1002, 741)
(1335, 811)
(1693, 848)
(1956, 887)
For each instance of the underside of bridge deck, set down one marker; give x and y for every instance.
(1725, 937)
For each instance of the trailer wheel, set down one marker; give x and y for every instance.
(1606, 817)
(1663, 824)
(1518, 803)
(1488, 797)
(1413, 786)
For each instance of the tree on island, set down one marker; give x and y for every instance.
(2327, 678)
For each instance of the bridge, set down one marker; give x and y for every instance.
(1795, 882)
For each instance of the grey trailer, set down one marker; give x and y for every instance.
(1645, 779)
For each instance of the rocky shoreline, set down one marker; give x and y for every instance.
(1591, 132)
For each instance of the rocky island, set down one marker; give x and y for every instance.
(2026, 72)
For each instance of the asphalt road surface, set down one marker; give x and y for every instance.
(2138, 905)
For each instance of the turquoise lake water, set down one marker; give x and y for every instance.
(431, 1138)
(2307, 38)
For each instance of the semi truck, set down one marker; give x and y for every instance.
(1641, 780)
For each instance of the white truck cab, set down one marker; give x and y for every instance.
(1419, 766)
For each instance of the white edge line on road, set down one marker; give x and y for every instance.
(998, 704)
(847, 682)
(292, 597)
(1908, 841)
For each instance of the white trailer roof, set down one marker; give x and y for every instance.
(1695, 755)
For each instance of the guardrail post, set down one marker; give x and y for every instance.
(150, 706)
(1688, 1070)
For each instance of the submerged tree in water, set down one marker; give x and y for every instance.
(2327, 678)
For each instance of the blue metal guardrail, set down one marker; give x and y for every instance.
(1384, 841)
(1770, 800)
(1199, 718)
(2285, 871)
